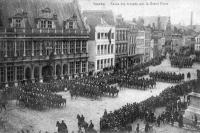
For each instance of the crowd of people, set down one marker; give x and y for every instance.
(119, 119)
(153, 62)
(170, 77)
(181, 62)
(93, 87)
(137, 83)
(39, 96)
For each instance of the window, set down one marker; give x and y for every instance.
(105, 49)
(49, 24)
(106, 35)
(2, 74)
(102, 37)
(118, 36)
(2, 48)
(71, 67)
(36, 48)
(116, 50)
(112, 36)
(65, 50)
(47, 48)
(10, 48)
(20, 72)
(71, 25)
(122, 48)
(98, 50)
(18, 23)
(84, 46)
(101, 49)
(109, 49)
(58, 47)
(98, 36)
(123, 35)
(111, 61)
(98, 65)
(105, 63)
(102, 64)
(108, 62)
(72, 47)
(112, 48)
(19, 48)
(10, 73)
(125, 47)
(28, 46)
(84, 66)
(78, 67)
(78, 46)
(43, 24)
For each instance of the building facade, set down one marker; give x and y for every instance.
(197, 43)
(121, 43)
(101, 46)
(143, 41)
(133, 56)
(42, 45)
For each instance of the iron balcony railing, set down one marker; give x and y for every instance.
(36, 31)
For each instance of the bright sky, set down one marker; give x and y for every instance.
(178, 10)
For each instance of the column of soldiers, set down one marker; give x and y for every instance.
(93, 87)
(39, 96)
(121, 118)
(181, 62)
(170, 77)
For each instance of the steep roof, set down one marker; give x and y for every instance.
(93, 18)
(64, 9)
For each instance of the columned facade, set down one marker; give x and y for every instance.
(74, 59)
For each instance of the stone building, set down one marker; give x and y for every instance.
(101, 45)
(41, 40)
(121, 43)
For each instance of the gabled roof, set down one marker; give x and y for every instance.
(94, 18)
(64, 9)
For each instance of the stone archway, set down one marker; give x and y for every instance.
(47, 73)
(28, 74)
(65, 69)
(36, 74)
(58, 71)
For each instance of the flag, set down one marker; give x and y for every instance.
(109, 36)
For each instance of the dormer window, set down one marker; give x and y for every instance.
(18, 20)
(49, 24)
(71, 25)
(43, 24)
(18, 23)
(46, 19)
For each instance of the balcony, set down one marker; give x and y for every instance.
(47, 32)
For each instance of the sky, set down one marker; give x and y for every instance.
(178, 10)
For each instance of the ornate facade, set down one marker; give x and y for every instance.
(49, 47)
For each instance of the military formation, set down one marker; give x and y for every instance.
(121, 118)
(39, 96)
(170, 77)
(181, 62)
